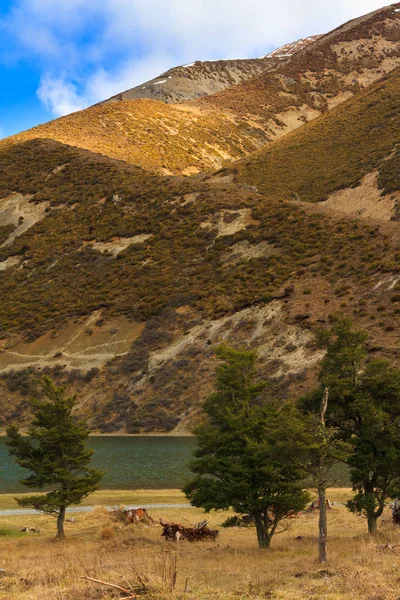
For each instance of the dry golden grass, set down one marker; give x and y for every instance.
(104, 498)
(40, 568)
(153, 135)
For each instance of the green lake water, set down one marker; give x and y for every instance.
(136, 462)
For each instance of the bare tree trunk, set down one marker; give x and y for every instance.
(60, 523)
(323, 521)
(323, 525)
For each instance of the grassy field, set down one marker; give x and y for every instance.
(39, 567)
(113, 498)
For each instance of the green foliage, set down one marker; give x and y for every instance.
(250, 455)
(8, 532)
(375, 462)
(345, 348)
(55, 453)
(364, 406)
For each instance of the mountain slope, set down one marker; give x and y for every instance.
(158, 137)
(319, 77)
(203, 78)
(154, 271)
(205, 133)
(119, 282)
(353, 148)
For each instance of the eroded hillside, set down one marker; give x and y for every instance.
(155, 271)
(319, 77)
(119, 278)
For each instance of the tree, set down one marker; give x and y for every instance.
(250, 455)
(55, 453)
(326, 450)
(375, 461)
(364, 408)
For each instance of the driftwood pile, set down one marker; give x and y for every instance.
(131, 516)
(137, 515)
(177, 532)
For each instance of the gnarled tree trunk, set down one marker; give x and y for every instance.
(263, 535)
(60, 523)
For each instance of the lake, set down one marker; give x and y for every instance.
(136, 462)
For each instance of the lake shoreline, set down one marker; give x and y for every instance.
(178, 434)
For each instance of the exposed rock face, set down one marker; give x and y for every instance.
(203, 78)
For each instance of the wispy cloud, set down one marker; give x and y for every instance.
(104, 47)
(59, 95)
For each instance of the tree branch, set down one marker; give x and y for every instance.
(111, 585)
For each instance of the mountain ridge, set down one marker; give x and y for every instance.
(202, 78)
(205, 133)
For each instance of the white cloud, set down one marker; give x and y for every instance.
(103, 47)
(105, 83)
(60, 96)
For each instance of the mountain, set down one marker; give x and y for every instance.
(348, 159)
(205, 133)
(319, 77)
(203, 78)
(119, 281)
(122, 287)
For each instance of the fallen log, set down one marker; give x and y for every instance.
(177, 532)
(107, 584)
(391, 547)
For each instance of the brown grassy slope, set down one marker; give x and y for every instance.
(151, 134)
(222, 262)
(181, 264)
(322, 75)
(232, 568)
(335, 151)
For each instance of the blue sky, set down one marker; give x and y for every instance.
(57, 56)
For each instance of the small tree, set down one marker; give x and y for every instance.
(250, 456)
(326, 450)
(364, 408)
(375, 461)
(56, 455)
